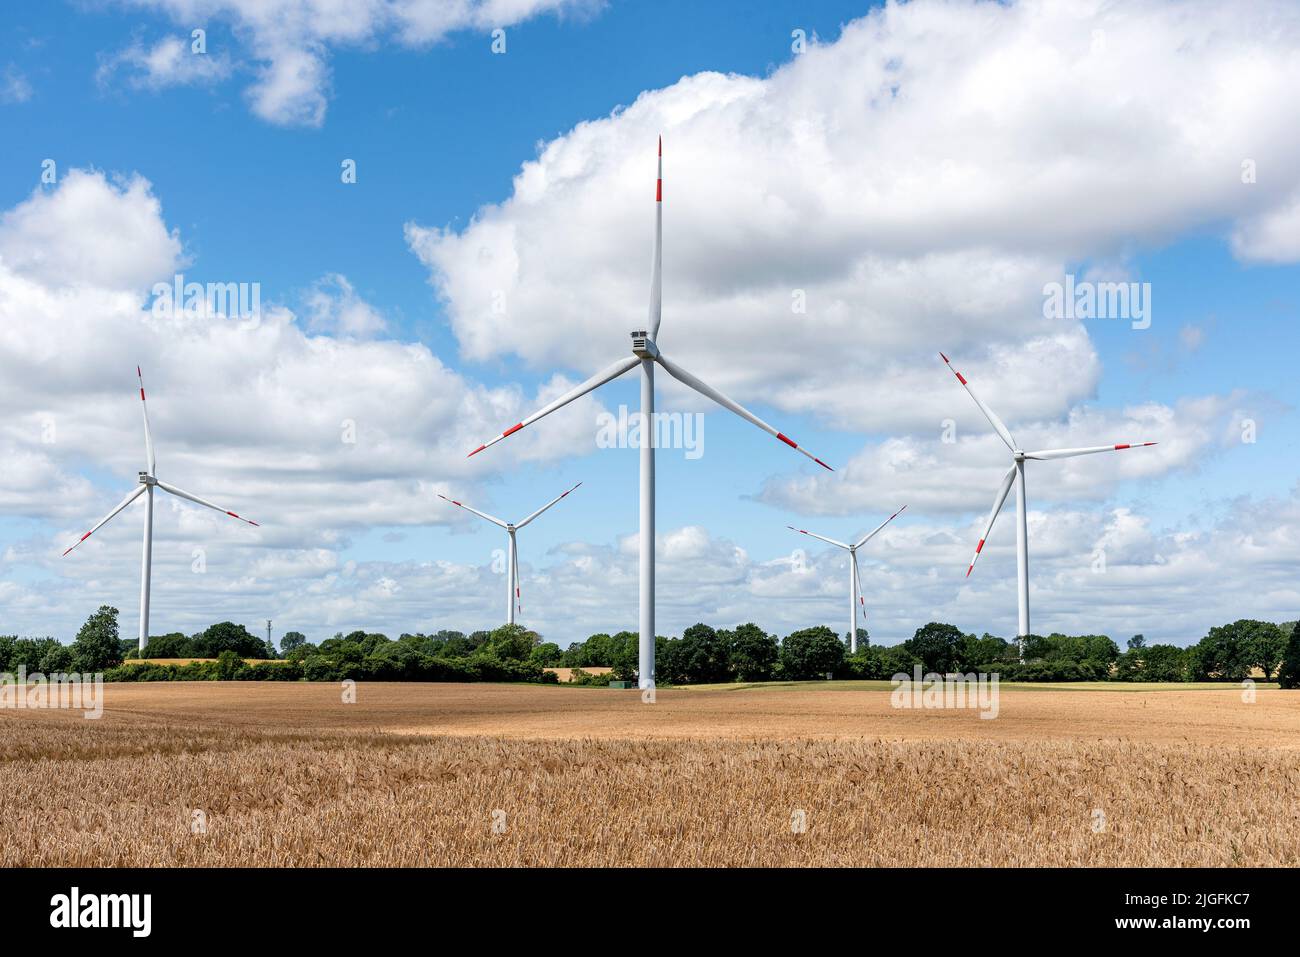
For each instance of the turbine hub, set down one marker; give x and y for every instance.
(147, 479)
(1018, 455)
(643, 345)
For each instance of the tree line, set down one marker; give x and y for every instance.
(701, 655)
(704, 654)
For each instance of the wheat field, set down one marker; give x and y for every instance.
(247, 774)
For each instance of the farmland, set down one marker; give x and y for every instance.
(797, 774)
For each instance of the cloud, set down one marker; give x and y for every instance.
(290, 42)
(962, 475)
(56, 238)
(1270, 237)
(316, 437)
(14, 85)
(1094, 570)
(169, 62)
(334, 306)
(913, 184)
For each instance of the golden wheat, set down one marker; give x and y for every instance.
(507, 775)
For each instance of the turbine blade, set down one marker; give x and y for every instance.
(657, 269)
(104, 521)
(519, 595)
(490, 518)
(858, 577)
(804, 531)
(545, 507)
(148, 436)
(1069, 453)
(988, 413)
(868, 537)
(1003, 489)
(180, 493)
(681, 375)
(600, 378)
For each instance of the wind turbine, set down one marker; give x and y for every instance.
(1017, 474)
(855, 576)
(147, 484)
(645, 353)
(512, 569)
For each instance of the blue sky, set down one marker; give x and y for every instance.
(439, 131)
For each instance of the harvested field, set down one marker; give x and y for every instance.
(286, 774)
(565, 675)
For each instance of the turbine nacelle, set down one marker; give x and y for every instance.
(147, 479)
(643, 346)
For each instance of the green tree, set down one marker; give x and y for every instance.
(97, 646)
(172, 645)
(811, 653)
(513, 642)
(1288, 675)
(596, 652)
(754, 653)
(703, 656)
(30, 652)
(1267, 644)
(1136, 642)
(936, 646)
(1231, 651)
(227, 636)
(59, 658)
(292, 640)
(547, 654)
(986, 652)
(625, 655)
(1164, 663)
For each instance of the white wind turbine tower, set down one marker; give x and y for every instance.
(148, 483)
(645, 353)
(1017, 474)
(855, 576)
(512, 566)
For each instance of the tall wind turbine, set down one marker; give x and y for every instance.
(147, 484)
(645, 353)
(512, 568)
(855, 576)
(1017, 474)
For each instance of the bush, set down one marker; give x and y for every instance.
(229, 665)
(319, 668)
